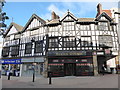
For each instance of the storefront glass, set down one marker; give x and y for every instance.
(71, 67)
(27, 69)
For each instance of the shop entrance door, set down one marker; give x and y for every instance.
(69, 69)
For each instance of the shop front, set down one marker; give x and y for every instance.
(70, 63)
(10, 65)
(28, 63)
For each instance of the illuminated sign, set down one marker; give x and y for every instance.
(66, 53)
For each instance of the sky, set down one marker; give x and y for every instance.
(20, 12)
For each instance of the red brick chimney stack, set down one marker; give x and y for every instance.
(99, 8)
(54, 16)
(57, 17)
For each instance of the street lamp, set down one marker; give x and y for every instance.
(33, 63)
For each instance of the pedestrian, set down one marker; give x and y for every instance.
(103, 69)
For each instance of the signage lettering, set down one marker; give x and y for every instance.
(66, 53)
(11, 61)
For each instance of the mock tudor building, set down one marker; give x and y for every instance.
(66, 46)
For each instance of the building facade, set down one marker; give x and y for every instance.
(66, 46)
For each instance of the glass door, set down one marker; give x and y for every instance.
(69, 69)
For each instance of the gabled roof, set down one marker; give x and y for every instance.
(31, 18)
(104, 14)
(18, 27)
(108, 12)
(69, 14)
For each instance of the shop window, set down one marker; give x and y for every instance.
(84, 68)
(39, 47)
(28, 48)
(28, 69)
(56, 67)
(15, 50)
(5, 51)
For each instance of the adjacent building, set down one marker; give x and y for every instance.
(65, 46)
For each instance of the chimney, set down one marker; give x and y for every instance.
(57, 17)
(53, 15)
(99, 8)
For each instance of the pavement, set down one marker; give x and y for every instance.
(106, 81)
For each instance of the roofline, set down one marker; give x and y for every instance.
(12, 24)
(33, 15)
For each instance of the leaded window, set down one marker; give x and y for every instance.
(53, 42)
(84, 27)
(85, 41)
(105, 40)
(5, 51)
(38, 46)
(69, 42)
(17, 36)
(103, 25)
(28, 48)
(68, 28)
(34, 32)
(15, 50)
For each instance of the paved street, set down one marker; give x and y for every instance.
(106, 81)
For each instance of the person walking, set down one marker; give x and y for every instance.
(103, 69)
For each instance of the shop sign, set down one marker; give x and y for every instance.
(100, 53)
(66, 53)
(11, 61)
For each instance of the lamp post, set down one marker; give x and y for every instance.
(33, 63)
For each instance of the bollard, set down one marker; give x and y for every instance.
(33, 67)
(33, 75)
(9, 76)
(50, 75)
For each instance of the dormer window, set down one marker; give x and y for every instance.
(103, 25)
